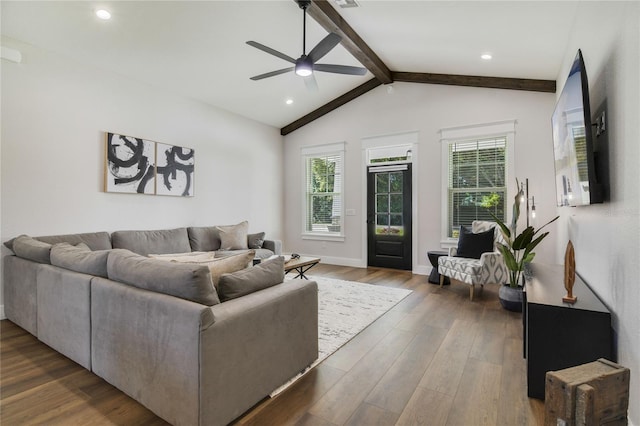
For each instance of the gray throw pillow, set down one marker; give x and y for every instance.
(234, 237)
(261, 276)
(80, 258)
(29, 248)
(231, 263)
(255, 241)
(185, 280)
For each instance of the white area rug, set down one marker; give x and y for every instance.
(345, 308)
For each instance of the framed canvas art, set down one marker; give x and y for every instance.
(175, 170)
(130, 165)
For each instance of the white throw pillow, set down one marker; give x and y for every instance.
(234, 237)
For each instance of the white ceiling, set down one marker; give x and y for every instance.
(197, 48)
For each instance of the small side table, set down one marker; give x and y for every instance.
(434, 276)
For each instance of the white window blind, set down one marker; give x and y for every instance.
(323, 193)
(476, 181)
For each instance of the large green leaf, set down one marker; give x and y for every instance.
(509, 259)
(522, 240)
(505, 230)
(534, 243)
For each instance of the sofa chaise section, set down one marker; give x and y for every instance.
(198, 365)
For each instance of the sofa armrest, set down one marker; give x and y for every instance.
(256, 344)
(274, 245)
(494, 269)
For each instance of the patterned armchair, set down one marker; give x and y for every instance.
(489, 269)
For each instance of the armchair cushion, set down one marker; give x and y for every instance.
(472, 245)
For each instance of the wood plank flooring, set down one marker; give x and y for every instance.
(434, 359)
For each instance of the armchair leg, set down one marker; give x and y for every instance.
(441, 280)
(471, 287)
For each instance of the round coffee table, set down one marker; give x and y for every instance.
(434, 276)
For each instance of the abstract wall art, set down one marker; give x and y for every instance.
(130, 165)
(139, 166)
(175, 170)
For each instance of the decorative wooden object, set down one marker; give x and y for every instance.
(595, 393)
(569, 273)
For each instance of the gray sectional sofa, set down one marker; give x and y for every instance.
(155, 329)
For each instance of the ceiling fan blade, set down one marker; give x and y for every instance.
(340, 69)
(272, 73)
(311, 83)
(324, 47)
(271, 51)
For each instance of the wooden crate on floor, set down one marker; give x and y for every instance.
(596, 393)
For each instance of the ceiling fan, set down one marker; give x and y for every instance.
(305, 65)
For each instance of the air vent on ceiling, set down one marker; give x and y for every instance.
(347, 3)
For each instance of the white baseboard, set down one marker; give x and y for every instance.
(422, 270)
(2, 312)
(343, 261)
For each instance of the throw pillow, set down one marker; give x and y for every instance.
(472, 245)
(234, 237)
(192, 257)
(29, 248)
(264, 275)
(80, 258)
(255, 241)
(228, 264)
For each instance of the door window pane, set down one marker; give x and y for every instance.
(382, 182)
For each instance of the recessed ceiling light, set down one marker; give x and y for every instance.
(486, 56)
(103, 14)
(289, 101)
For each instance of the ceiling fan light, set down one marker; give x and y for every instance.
(304, 68)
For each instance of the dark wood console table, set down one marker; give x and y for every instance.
(559, 335)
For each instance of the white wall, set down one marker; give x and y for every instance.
(55, 113)
(606, 237)
(426, 109)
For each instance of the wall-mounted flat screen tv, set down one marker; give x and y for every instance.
(576, 183)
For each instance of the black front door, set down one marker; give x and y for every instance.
(389, 216)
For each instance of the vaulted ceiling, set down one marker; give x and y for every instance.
(198, 49)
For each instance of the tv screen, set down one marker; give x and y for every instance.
(572, 144)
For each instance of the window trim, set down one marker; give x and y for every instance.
(459, 134)
(314, 152)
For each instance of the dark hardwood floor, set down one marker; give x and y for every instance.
(434, 359)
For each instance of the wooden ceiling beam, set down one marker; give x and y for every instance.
(329, 18)
(548, 86)
(327, 108)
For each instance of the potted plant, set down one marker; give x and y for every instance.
(517, 252)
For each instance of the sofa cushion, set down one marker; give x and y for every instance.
(160, 241)
(80, 258)
(263, 275)
(472, 245)
(29, 248)
(231, 263)
(95, 240)
(255, 241)
(234, 237)
(204, 238)
(191, 257)
(185, 280)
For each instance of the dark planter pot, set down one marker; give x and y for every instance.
(511, 298)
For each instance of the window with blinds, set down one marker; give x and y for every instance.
(476, 181)
(324, 194)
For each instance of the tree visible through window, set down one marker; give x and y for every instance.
(476, 181)
(324, 194)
